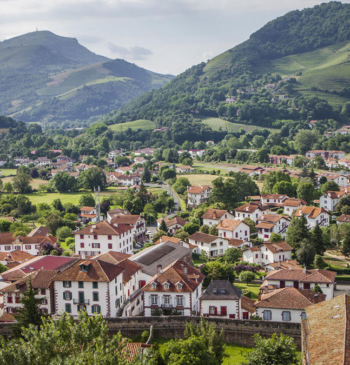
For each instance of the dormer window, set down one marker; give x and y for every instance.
(215, 291)
(179, 286)
(223, 291)
(154, 286)
(166, 286)
(84, 268)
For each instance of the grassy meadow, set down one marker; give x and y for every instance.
(137, 124)
(7, 172)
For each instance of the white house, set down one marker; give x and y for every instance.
(176, 287)
(273, 200)
(129, 180)
(222, 299)
(337, 178)
(172, 224)
(197, 195)
(89, 213)
(286, 305)
(114, 153)
(140, 160)
(314, 216)
(183, 169)
(291, 204)
(272, 223)
(103, 237)
(213, 246)
(249, 210)
(229, 228)
(252, 170)
(330, 199)
(41, 280)
(137, 222)
(215, 216)
(301, 279)
(344, 218)
(42, 161)
(268, 253)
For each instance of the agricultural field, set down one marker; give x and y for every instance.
(35, 183)
(217, 123)
(7, 172)
(200, 179)
(137, 124)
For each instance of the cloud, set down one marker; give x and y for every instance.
(135, 53)
(86, 38)
(207, 55)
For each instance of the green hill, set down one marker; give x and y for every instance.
(305, 54)
(45, 77)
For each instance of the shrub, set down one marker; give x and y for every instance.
(144, 336)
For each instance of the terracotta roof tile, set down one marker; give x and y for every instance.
(202, 237)
(235, 242)
(171, 222)
(198, 189)
(230, 224)
(292, 202)
(344, 218)
(87, 209)
(39, 231)
(247, 304)
(167, 239)
(104, 228)
(311, 276)
(209, 214)
(272, 218)
(311, 212)
(125, 219)
(249, 208)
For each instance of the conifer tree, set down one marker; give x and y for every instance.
(297, 231)
(163, 226)
(345, 250)
(30, 313)
(317, 240)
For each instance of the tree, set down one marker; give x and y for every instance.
(213, 230)
(150, 212)
(204, 229)
(306, 253)
(63, 233)
(168, 174)
(317, 289)
(306, 191)
(342, 206)
(57, 204)
(92, 178)
(146, 176)
(63, 182)
(275, 237)
(53, 222)
(163, 227)
(216, 270)
(224, 191)
(8, 188)
(29, 314)
(64, 340)
(272, 179)
(87, 200)
(5, 225)
(250, 223)
(232, 255)
(329, 186)
(305, 139)
(275, 350)
(158, 234)
(317, 240)
(319, 263)
(284, 187)
(297, 231)
(246, 276)
(191, 228)
(1, 184)
(21, 183)
(182, 235)
(345, 249)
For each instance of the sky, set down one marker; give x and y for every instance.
(165, 36)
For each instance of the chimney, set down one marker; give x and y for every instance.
(161, 240)
(115, 224)
(185, 270)
(266, 289)
(214, 214)
(159, 268)
(259, 296)
(304, 269)
(316, 298)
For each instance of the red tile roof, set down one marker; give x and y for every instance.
(309, 276)
(202, 237)
(104, 228)
(311, 212)
(197, 189)
(249, 208)
(210, 213)
(230, 224)
(171, 222)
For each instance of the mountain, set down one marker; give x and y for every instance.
(304, 54)
(46, 77)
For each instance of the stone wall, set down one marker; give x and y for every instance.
(235, 331)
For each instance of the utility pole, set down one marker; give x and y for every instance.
(98, 206)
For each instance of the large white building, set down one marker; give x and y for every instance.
(102, 237)
(249, 210)
(213, 246)
(272, 223)
(222, 299)
(237, 229)
(273, 200)
(314, 216)
(137, 222)
(197, 195)
(268, 253)
(176, 287)
(330, 199)
(215, 216)
(337, 178)
(291, 204)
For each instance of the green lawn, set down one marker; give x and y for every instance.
(7, 172)
(253, 288)
(235, 353)
(137, 124)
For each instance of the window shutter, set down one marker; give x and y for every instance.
(70, 296)
(70, 284)
(99, 309)
(63, 283)
(92, 309)
(150, 300)
(183, 301)
(64, 295)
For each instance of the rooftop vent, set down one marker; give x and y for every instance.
(336, 306)
(337, 316)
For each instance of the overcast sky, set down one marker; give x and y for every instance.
(165, 36)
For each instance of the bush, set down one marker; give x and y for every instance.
(144, 336)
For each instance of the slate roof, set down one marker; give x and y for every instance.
(215, 288)
(289, 298)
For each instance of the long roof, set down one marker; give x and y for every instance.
(209, 214)
(104, 228)
(289, 298)
(221, 290)
(125, 219)
(202, 237)
(230, 224)
(327, 332)
(197, 189)
(303, 276)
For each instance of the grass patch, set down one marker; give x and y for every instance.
(253, 288)
(35, 183)
(7, 172)
(135, 125)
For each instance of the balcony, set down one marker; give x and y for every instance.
(81, 301)
(167, 306)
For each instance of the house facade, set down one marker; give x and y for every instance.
(237, 229)
(272, 223)
(197, 195)
(213, 246)
(314, 216)
(249, 210)
(137, 222)
(330, 199)
(215, 216)
(291, 204)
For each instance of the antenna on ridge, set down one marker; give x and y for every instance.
(98, 205)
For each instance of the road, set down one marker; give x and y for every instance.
(170, 192)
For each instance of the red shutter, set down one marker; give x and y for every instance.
(223, 311)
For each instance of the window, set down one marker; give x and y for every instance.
(44, 301)
(68, 308)
(180, 301)
(81, 284)
(95, 245)
(95, 236)
(82, 245)
(116, 290)
(110, 246)
(27, 247)
(67, 295)
(286, 316)
(236, 234)
(154, 300)
(179, 286)
(7, 248)
(166, 286)
(267, 315)
(96, 308)
(42, 291)
(303, 315)
(67, 284)
(246, 233)
(109, 237)
(120, 286)
(154, 285)
(95, 284)
(95, 296)
(212, 310)
(17, 300)
(221, 243)
(223, 291)
(81, 236)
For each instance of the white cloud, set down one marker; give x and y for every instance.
(134, 53)
(207, 55)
